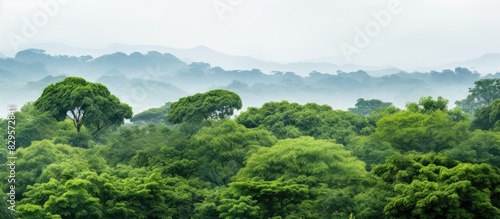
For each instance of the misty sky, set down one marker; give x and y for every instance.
(421, 33)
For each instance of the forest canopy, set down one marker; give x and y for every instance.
(194, 158)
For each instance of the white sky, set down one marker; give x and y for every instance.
(426, 32)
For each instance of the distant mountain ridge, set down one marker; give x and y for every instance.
(486, 64)
(215, 58)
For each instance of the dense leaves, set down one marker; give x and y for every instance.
(366, 107)
(222, 148)
(282, 160)
(153, 115)
(215, 104)
(431, 186)
(488, 117)
(423, 132)
(291, 120)
(482, 94)
(295, 175)
(85, 103)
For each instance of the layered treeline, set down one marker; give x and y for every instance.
(151, 79)
(194, 159)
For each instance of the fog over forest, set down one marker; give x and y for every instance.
(249, 109)
(151, 79)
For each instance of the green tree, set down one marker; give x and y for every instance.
(222, 148)
(4, 207)
(488, 117)
(481, 147)
(291, 120)
(433, 186)
(85, 103)
(370, 149)
(428, 105)
(74, 201)
(33, 125)
(153, 115)
(155, 196)
(482, 94)
(423, 132)
(32, 160)
(294, 176)
(366, 107)
(214, 104)
(130, 141)
(153, 147)
(31, 211)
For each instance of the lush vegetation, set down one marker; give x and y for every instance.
(195, 159)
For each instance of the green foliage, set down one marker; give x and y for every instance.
(214, 104)
(126, 143)
(33, 160)
(482, 94)
(433, 186)
(370, 150)
(371, 202)
(153, 115)
(33, 125)
(366, 107)
(211, 167)
(158, 197)
(86, 104)
(406, 168)
(464, 191)
(291, 178)
(428, 105)
(221, 149)
(481, 147)
(488, 117)
(291, 120)
(5, 212)
(423, 132)
(154, 147)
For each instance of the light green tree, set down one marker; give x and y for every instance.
(294, 176)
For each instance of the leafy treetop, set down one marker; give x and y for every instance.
(214, 104)
(85, 103)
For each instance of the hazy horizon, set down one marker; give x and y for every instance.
(401, 33)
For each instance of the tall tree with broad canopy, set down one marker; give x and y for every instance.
(85, 103)
(214, 104)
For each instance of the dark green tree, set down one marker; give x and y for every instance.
(365, 107)
(488, 117)
(292, 120)
(482, 94)
(33, 125)
(85, 103)
(214, 104)
(222, 148)
(153, 115)
(481, 147)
